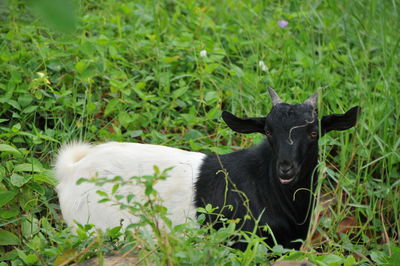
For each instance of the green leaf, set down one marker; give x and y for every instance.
(395, 258)
(2, 172)
(102, 193)
(211, 97)
(18, 180)
(214, 113)
(8, 213)
(111, 107)
(65, 257)
(14, 104)
(237, 70)
(8, 238)
(80, 66)
(81, 180)
(9, 256)
(330, 259)
(31, 259)
(193, 134)
(209, 208)
(129, 198)
(221, 150)
(115, 231)
(103, 200)
(136, 133)
(278, 249)
(115, 188)
(378, 256)
(45, 177)
(179, 92)
(170, 59)
(28, 167)
(30, 109)
(8, 148)
(25, 99)
(29, 227)
(124, 118)
(6, 197)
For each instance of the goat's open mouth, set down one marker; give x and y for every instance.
(286, 181)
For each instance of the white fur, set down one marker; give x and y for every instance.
(80, 202)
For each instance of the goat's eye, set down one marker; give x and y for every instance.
(313, 134)
(268, 133)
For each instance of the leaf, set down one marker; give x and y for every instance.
(9, 213)
(65, 257)
(193, 134)
(18, 180)
(395, 258)
(111, 107)
(221, 150)
(8, 238)
(170, 59)
(103, 200)
(29, 227)
(330, 259)
(28, 167)
(9, 256)
(278, 249)
(214, 113)
(114, 188)
(115, 231)
(14, 104)
(6, 197)
(2, 172)
(45, 177)
(136, 133)
(124, 118)
(179, 92)
(129, 198)
(30, 109)
(211, 97)
(80, 66)
(237, 70)
(102, 193)
(8, 148)
(379, 257)
(25, 99)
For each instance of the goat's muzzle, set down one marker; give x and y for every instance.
(286, 172)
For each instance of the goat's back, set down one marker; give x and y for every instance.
(79, 160)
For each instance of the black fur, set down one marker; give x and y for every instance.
(255, 173)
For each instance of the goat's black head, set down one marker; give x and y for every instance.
(293, 132)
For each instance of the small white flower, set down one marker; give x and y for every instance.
(40, 74)
(262, 65)
(203, 53)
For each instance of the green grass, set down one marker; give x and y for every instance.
(131, 71)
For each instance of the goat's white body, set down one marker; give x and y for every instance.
(80, 202)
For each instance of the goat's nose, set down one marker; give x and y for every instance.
(285, 168)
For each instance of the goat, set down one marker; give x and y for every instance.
(272, 182)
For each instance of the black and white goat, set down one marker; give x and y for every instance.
(271, 182)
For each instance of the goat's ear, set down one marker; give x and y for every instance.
(244, 125)
(340, 121)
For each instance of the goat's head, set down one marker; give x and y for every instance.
(293, 132)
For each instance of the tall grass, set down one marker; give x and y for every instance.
(132, 71)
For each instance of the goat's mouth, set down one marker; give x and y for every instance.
(286, 181)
